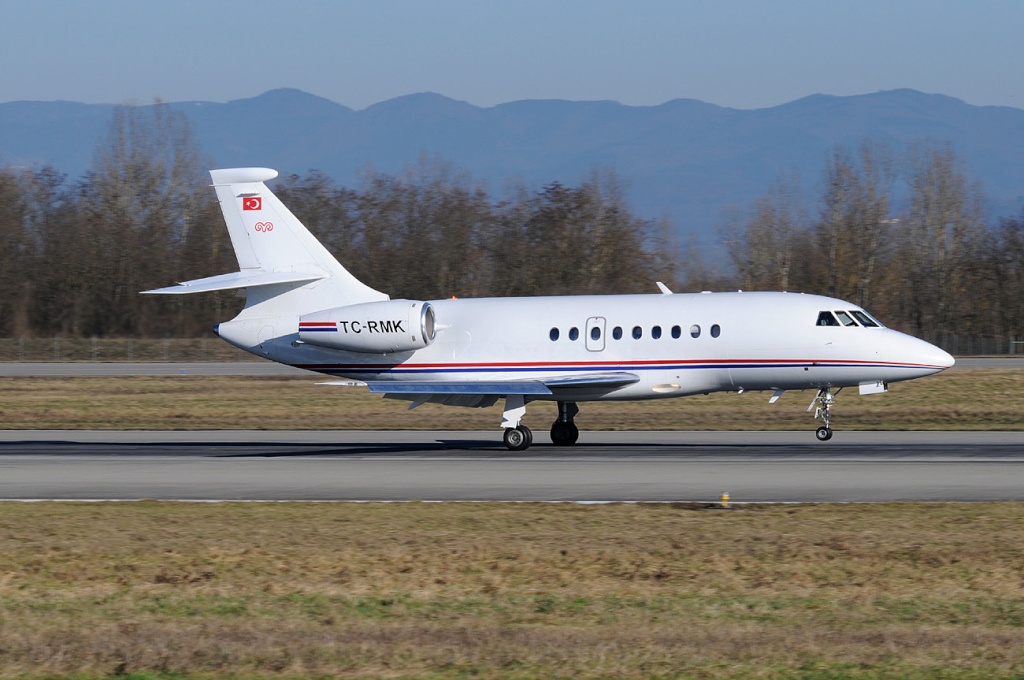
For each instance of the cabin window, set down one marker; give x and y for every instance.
(826, 319)
(845, 319)
(595, 333)
(716, 330)
(864, 319)
(656, 332)
(637, 332)
(574, 333)
(694, 331)
(553, 334)
(676, 332)
(617, 332)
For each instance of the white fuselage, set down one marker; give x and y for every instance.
(678, 344)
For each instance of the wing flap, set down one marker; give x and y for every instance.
(501, 387)
(591, 380)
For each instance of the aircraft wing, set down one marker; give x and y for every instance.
(538, 386)
(486, 393)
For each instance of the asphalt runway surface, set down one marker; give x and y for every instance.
(475, 466)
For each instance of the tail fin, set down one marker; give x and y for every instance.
(277, 256)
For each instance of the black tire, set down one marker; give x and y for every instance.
(823, 434)
(518, 438)
(564, 434)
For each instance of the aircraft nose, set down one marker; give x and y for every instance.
(943, 358)
(932, 356)
(917, 358)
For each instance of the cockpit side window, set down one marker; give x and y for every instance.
(826, 319)
(845, 318)
(864, 319)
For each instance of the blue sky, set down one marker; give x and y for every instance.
(641, 52)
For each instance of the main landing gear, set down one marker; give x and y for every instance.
(564, 431)
(518, 437)
(824, 401)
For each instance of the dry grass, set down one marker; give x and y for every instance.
(518, 591)
(961, 399)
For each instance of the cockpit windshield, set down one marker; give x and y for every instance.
(864, 319)
(845, 319)
(849, 318)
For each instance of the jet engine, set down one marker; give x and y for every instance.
(371, 327)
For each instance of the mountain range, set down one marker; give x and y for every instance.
(685, 160)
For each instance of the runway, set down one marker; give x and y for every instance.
(475, 466)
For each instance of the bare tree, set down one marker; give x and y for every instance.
(1003, 264)
(423, 232)
(140, 203)
(762, 246)
(943, 232)
(871, 220)
(578, 240)
(854, 218)
(15, 253)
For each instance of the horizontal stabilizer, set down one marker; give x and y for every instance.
(247, 279)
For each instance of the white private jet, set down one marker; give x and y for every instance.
(305, 309)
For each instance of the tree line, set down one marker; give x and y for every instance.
(74, 255)
(930, 266)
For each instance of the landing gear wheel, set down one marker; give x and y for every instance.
(518, 438)
(824, 401)
(564, 431)
(564, 434)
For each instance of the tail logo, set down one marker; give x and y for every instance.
(265, 226)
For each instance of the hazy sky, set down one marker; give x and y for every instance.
(737, 54)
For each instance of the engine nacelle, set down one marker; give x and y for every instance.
(371, 327)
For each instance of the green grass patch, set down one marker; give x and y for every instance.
(296, 590)
(961, 399)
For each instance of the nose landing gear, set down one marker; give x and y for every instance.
(824, 401)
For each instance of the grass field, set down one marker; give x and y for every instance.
(511, 591)
(961, 399)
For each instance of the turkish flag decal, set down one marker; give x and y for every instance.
(252, 203)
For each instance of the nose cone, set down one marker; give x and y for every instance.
(941, 358)
(918, 358)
